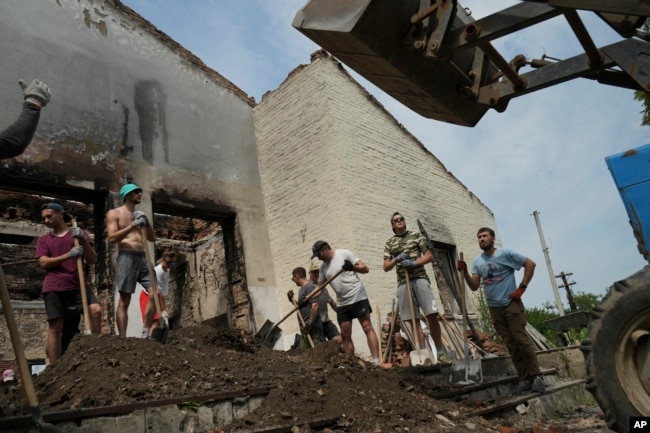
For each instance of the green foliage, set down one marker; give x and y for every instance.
(643, 96)
(484, 317)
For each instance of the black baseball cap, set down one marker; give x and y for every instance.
(318, 245)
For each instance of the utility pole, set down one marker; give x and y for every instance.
(556, 292)
(567, 286)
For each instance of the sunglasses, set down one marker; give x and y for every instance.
(398, 220)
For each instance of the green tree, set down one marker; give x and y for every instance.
(643, 96)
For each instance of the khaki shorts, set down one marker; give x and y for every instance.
(422, 298)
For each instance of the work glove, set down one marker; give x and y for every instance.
(516, 295)
(37, 93)
(164, 318)
(461, 266)
(306, 327)
(77, 251)
(408, 263)
(290, 296)
(401, 256)
(347, 266)
(77, 233)
(140, 221)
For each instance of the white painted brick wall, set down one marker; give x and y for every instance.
(335, 166)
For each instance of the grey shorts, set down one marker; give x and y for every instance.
(56, 303)
(131, 269)
(422, 298)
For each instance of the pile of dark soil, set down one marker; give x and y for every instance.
(305, 385)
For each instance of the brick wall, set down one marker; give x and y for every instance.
(335, 165)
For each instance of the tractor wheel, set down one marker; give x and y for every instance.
(617, 351)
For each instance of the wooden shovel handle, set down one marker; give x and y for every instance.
(389, 342)
(17, 343)
(416, 339)
(302, 322)
(82, 283)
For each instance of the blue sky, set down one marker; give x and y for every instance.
(545, 152)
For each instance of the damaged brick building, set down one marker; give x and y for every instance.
(130, 104)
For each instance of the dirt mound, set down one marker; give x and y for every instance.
(322, 383)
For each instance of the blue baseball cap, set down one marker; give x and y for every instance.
(128, 188)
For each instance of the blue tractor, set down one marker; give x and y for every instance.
(617, 346)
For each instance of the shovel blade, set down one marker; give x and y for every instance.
(160, 334)
(420, 357)
(466, 372)
(269, 334)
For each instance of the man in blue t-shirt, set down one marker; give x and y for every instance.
(496, 267)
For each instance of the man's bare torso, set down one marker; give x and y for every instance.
(119, 218)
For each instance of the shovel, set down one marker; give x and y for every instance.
(19, 351)
(469, 370)
(161, 332)
(82, 285)
(300, 319)
(316, 292)
(418, 356)
(391, 331)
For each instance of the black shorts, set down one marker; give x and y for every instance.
(330, 330)
(353, 311)
(57, 302)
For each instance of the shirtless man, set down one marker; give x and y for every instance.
(125, 226)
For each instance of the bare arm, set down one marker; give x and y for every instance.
(149, 233)
(389, 264)
(360, 267)
(529, 270)
(313, 313)
(52, 262)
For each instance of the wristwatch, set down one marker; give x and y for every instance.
(523, 285)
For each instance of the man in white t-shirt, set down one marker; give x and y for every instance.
(351, 297)
(147, 306)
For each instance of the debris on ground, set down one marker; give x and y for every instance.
(305, 385)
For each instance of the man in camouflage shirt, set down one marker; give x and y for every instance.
(409, 252)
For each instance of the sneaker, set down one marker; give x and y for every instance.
(444, 359)
(144, 333)
(524, 386)
(538, 384)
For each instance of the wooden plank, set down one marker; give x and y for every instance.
(543, 340)
(509, 402)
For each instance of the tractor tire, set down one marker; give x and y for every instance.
(616, 350)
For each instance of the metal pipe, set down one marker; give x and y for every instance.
(595, 57)
(517, 81)
(19, 262)
(556, 292)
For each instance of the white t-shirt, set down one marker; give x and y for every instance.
(162, 278)
(347, 286)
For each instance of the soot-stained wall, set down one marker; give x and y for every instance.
(129, 103)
